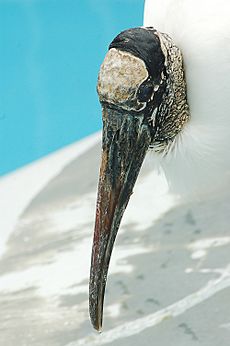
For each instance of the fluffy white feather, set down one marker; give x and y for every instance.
(200, 160)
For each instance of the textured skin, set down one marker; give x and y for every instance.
(173, 112)
(120, 76)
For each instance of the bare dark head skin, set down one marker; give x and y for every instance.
(138, 104)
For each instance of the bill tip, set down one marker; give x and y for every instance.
(98, 328)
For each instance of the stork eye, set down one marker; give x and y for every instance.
(144, 92)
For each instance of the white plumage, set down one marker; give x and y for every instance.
(200, 160)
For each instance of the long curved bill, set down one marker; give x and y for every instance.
(126, 139)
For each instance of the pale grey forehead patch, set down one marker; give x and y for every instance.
(120, 76)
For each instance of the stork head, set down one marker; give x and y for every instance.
(141, 88)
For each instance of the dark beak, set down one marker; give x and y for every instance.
(126, 138)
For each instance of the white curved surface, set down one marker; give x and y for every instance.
(19, 188)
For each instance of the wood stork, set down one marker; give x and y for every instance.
(178, 107)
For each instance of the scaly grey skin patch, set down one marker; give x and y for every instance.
(120, 76)
(173, 111)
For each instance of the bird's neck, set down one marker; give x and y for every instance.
(173, 112)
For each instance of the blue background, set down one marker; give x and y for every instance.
(50, 53)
